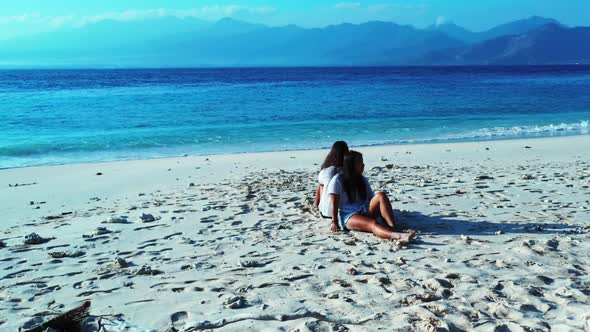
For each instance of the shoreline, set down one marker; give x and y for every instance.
(377, 145)
(503, 240)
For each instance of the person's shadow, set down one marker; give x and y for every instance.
(448, 225)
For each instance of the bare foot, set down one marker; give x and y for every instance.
(403, 237)
(406, 237)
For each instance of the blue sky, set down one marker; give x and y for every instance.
(33, 16)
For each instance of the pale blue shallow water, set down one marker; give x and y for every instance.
(70, 116)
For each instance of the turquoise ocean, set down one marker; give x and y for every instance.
(69, 116)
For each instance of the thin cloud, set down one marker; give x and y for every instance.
(31, 17)
(205, 12)
(380, 8)
(383, 7)
(440, 20)
(347, 5)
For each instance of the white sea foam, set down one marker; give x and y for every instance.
(31, 156)
(582, 127)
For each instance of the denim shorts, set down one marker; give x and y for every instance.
(344, 217)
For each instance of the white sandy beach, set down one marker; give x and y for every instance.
(504, 242)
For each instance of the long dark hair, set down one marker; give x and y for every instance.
(354, 183)
(336, 156)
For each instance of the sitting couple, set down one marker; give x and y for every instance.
(345, 196)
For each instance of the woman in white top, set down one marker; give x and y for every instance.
(356, 207)
(330, 168)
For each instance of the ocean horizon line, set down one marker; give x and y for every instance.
(139, 68)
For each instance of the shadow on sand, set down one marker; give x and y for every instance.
(447, 225)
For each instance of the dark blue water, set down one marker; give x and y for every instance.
(65, 116)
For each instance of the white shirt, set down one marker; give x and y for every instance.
(346, 206)
(324, 179)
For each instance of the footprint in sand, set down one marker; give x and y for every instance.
(179, 319)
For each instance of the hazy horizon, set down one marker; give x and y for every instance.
(258, 34)
(34, 16)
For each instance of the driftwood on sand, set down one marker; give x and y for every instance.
(69, 321)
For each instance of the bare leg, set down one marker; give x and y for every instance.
(381, 206)
(366, 224)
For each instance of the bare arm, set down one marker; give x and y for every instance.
(335, 227)
(318, 195)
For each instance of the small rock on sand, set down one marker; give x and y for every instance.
(235, 302)
(552, 244)
(187, 240)
(333, 296)
(101, 231)
(35, 238)
(452, 275)
(63, 254)
(350, 242)
(251, 263)
(122, 263)
(466, 238)
(400, 261)
(146, 217)
(118, 220)
(436, 284)
(146, 270)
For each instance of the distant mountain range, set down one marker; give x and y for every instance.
(548, 44)
(512, 28)
(175, 42)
